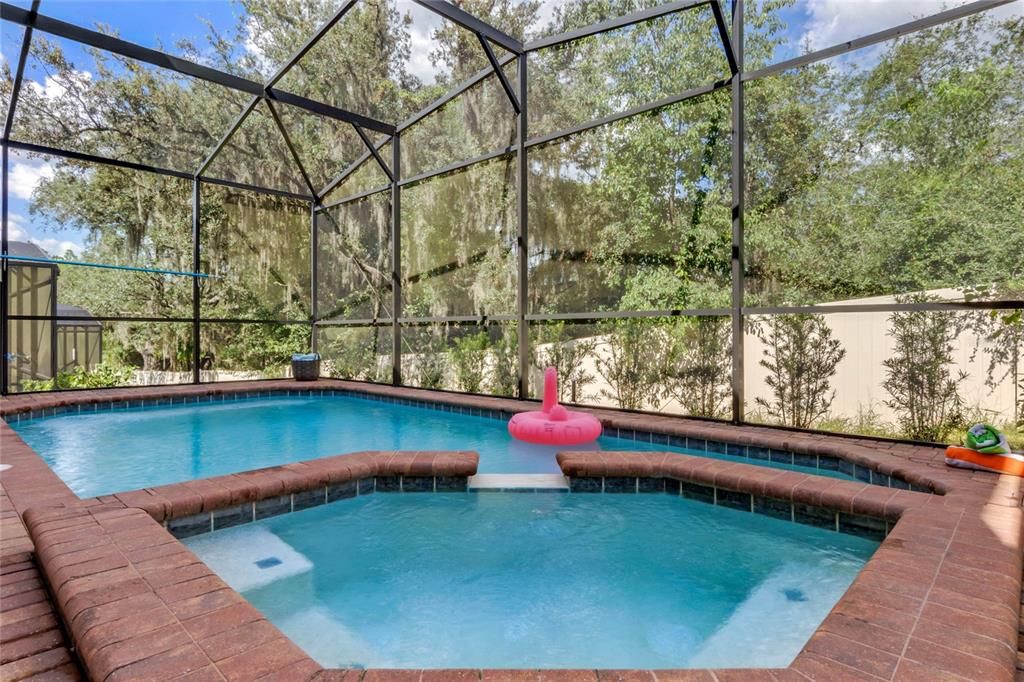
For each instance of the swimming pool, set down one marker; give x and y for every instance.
(115, 450)
(530, 580)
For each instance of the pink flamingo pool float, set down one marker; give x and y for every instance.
(553, 424)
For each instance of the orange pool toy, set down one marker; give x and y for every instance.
(966, 458)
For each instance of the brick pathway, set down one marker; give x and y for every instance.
(32, 644)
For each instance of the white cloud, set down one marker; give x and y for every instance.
(546, 13)
(52, 88)
(19, 231)
(830, 22)
(254, 48)
(25, 176)
(421, 41)
(57, 247)
(16, 228)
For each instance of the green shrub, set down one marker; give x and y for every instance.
(469, 358)
(698, 365)
(566, 355)
(923, 392)
(505, 372)
(801, 358)
(634, 350)
(101, 376)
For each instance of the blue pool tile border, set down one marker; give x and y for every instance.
(848, 523)
(736, 450)
(859, 525)
(248, 512)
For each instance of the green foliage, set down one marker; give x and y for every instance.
(101, 376)
(1001, 336)
(430, 369)
(896, 176)
(253, 347)
(867, 422)
(351, 353)
(567, 356)
(430, 366)
(469, 359)
(628, 362)
(922, 388)
(505, 364)
(801, 358)
(698, 365)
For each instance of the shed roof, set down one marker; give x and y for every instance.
(65, 310)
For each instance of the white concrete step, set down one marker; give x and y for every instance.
(518, 483)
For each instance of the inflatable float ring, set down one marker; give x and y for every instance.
(553, 424)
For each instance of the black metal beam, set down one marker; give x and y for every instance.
(353, 198)
(545, 139)
(329, 111)
(569, 36)
(314, 276)
(92, 158)
(457, 166)
(231, 320)
(523, 235)
(877, 37)
(738, 209)
(311, 43)
(396, 259)
(5, 271)
(340, 177)
(291, 148)
(628, 314)
(278, 75)
(472, 23)
(235, 125)
(102, 318)
(476, 78)
(254, 188)
(613, 24)
(372, 149)
(458, 319)
(5, 331)
(19, 73)
(499, 72)
(629, 113)
(365, 322)
(837, 308)
(196, 264)
(723, 33)
(114, 45)
(175, 320)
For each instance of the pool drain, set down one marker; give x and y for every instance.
(793, 594)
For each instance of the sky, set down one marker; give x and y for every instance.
(162, 23)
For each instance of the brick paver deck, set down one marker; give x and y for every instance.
(940, 599)
(32, 643)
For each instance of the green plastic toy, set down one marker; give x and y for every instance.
(986, 439)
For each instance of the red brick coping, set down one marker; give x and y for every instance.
(938, 600)
(139, 605)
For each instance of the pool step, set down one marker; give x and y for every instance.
(519, 483)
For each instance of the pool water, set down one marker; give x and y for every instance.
(532, 580)
(110, 451)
